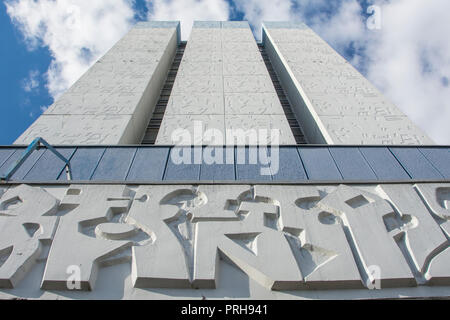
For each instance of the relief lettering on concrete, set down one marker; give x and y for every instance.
(27, 222)
(437, 199)
(90, 235)
(283, 238)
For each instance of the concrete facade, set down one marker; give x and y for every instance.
(333, 102)
(328, 223)
(224, 241)
(114, 100)
(224, 83)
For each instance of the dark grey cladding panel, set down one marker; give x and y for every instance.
(149, 164)
(384, 164)
(5, 154)
(338, 164)
(8, 161)
(248, 166)
(290, 166)
(115, 164)
(351, 164)
(49, 166)
(319, 164)
(218, 164)
(25, 167)
(84, 162)
(183, 164)
(416, 164)
(439, 158)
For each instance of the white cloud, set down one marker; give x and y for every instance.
(257, 11)
(76, 32)
(187, 11)
(31, 82)
(408, 59)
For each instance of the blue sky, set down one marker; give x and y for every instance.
(408, 59)
(19, 108)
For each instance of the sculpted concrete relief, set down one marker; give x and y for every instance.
(27, 221)
(284, 238)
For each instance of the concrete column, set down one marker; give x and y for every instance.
(113, 101)
(223, 82)
(333, 102)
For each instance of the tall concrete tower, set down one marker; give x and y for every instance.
(221, 167)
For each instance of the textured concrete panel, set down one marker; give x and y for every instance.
(334, 103)
(175, 124)
(257, 123)
(197, 84)
(120, 90)
(248, 84)
(253, 68)
(236, 241)
(222, 73)
(80, 129)
(199, 69)
(195, 103)
(252, 103)
(360, 130)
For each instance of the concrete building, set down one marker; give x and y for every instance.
(224, 168)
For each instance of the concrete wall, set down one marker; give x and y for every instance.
(333, 102)
(223, 82)
(114, 100)
(224, 241)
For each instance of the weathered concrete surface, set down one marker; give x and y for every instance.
(113, 101)
(220, 241)
(223, 82)
(333, 102)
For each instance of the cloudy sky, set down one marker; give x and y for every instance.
(400, 45)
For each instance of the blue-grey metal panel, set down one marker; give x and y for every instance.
(249, 166)
(290, 166)
(351, 164)
(7, 163)
(384, 164)
(216, 165)
(49, 166)
(181, 164)
(415, 163)
(26, 166)
(319, 165)
(440, 158)
(331, 163)
(83, 163)
(5, 154)
(114, 164)
(149, 164)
